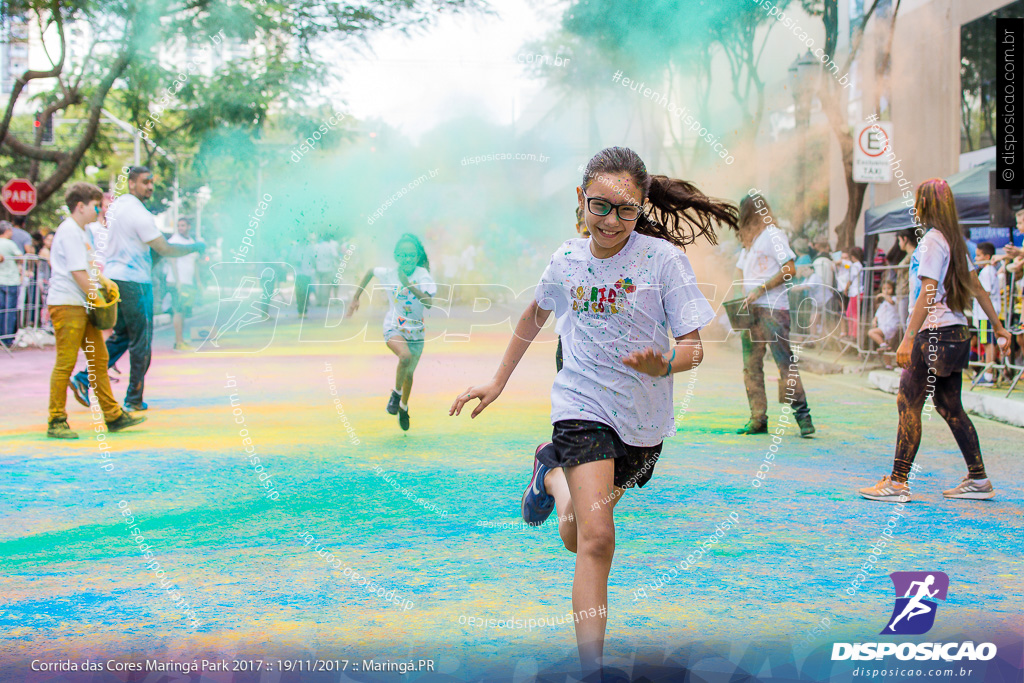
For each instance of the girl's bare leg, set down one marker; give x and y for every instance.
(593, 492)
(556, 485)
(401, 349)
(409, 370)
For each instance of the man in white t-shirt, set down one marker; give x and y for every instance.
(131, 233)
(766, 264)
(73, 285)
(182, 279)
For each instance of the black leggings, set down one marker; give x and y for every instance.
(936, 367)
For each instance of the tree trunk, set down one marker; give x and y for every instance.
(847, 230)
(833, 103)
(68, 161)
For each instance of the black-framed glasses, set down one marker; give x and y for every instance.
(601, 207)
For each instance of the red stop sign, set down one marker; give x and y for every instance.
(19, 196)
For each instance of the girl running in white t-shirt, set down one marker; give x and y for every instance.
(623, 293)
(410, 290)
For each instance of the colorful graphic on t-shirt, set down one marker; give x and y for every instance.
(640, 298)
(602, 300)
(405, 315)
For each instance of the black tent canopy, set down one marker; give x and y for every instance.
(970, 190)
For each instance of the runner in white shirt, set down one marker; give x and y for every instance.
(765, 265)
(628, 291)
(325, 256)
(410, 290)
(181, 278)
(73, 289)
(132, 232)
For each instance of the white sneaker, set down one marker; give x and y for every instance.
(972, 490)
(887, 491)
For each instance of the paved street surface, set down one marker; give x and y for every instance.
(432, 516)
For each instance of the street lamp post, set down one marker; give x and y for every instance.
(803, 73)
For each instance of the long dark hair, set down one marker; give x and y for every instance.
(421, 260)
(910, 234)
(673, 210)
(749, 207)
(936, 208)
(895, 253)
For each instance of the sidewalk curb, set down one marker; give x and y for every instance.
(1005, 410)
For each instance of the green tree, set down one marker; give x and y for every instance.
(281, 60)
(833, 96)
(663, 40)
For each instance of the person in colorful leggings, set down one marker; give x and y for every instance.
(937, 346)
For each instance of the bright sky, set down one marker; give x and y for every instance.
(467, 64)
(463, 64)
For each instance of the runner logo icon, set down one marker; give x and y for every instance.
(915, 608)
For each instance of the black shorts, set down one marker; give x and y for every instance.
(940, 351)
(581, 441)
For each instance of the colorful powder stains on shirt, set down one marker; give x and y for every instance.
(607, 309)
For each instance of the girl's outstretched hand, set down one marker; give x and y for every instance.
(487, 393)
(648, 361)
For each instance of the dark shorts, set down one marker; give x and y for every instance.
(581, 441)
(941, 351)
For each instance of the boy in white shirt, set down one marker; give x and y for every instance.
(73, 287)
(990, 280)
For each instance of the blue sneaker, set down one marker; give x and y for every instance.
(537, 502)
(80, 388)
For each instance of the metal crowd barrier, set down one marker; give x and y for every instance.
(22, 308)
(1010, 316)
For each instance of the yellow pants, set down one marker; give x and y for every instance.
(73, 330)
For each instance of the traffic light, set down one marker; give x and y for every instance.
(46, 125)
